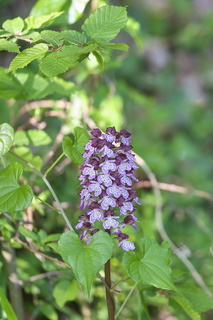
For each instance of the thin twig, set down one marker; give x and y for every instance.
(125, 301)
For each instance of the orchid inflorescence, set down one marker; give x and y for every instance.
(107, 175)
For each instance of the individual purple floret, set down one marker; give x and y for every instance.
(107, 175)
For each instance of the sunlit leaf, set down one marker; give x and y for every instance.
(8, 46)
(64, 291)
(41, 21)
(6, 306)
(86, 260)
(105, 23)
(12, 196)
(74, 37)
(6, 138)
(14, 26)
(31, 138)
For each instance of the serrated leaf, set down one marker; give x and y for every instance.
(117, 46)
(74, 37)
(99, 59)
(27, 56)
(153, 268)
(6, 306)
(31, 138)
(65, 291)
(12, 196)
(8, 46)
(86, 261)
(59, 61)
(28, 233)
(27, 155)
(46, 7)
(52, 37)
(41, 21)
(6, 138)
(105, 23)
(14, 26)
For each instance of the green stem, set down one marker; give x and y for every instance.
(125, 301)
(54, 164)
(48, 186)
(109, 296)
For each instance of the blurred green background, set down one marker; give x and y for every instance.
(161, 91)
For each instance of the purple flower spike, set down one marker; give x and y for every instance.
(107, 175)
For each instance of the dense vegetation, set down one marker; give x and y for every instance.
(60, 78)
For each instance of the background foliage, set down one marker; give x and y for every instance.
(160, 91)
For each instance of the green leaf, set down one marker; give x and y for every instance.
(74, 37)
(28, 233)
(31, 138)
(41, 21)
(6, 306)
(105, 23)
(46, 7)
(86, 261)
(14, 26)
(185, 305)
(9, 86)
(153, 269)
(8, 46)
(49, 312)
(27, 155)
(65, 291)
(81, 138)
(53, 65)
(6, 138)
(74, 151)
(99, 59)
(27, 56)
(12, 196)
(117, 46)
(52, 37)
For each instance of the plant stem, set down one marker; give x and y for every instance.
(125, 301)
(53, 165)
(109, 296)
(48, 186)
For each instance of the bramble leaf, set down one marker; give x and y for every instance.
(153, 269)
(86, 260)
(6, 138)
(105, 23)
(41, 21)
(14, 26)
(28, 55)
(12, 196)
(8, 46)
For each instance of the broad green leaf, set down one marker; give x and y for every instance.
(6, 138)
(27, 56)
(117, 46)
(81, 138)
(105, 23)
(153, 268)
(9, 86)
(27, 155)
(185, 305)
(51, 237)
(86, 260)
(199, 300)
(64, 291)
(12, 196)
(71, 152)
(53, 64)
(99, 59)
(28, 233)
(8, 46)
(46, 7)
(14, 26)
(75, 151)
(6, 306)
(31, 138)
(52, 37)
(41, 21)
(73, 37)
